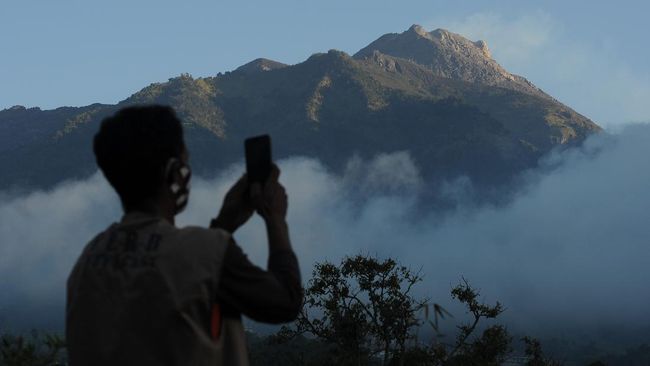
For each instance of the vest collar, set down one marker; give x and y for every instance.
(139, 217)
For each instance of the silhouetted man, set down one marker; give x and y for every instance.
(145, 292)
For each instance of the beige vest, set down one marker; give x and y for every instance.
(142, 293)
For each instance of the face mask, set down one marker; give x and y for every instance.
(181, 192)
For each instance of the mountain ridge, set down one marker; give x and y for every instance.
(471, 122)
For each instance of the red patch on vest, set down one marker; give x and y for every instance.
(215, 322)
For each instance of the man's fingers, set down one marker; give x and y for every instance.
(256, 192)
(256, 196)
(239, 188)
(242, 183)
(282, 192)
(274, 175)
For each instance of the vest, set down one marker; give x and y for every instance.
(143, 293)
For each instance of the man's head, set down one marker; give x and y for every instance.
(135, 149)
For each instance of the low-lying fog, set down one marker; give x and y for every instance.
(570, 252)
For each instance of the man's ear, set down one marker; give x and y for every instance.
(177, 176)
(171, 172)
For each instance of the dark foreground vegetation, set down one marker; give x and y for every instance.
(363, 312)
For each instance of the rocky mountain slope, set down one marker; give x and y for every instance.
(435, 94)
(449, 55)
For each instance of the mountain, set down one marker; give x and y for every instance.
(435, 94)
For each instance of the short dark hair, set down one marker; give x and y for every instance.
(132, 148)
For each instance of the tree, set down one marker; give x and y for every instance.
(494, 343)
(490, 348)
(536, 354)
(37, 350)
(364, 310)
(363, 307)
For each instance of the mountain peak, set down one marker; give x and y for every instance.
(260, 65)
(438, 34)
(443, 35)
(449, 55)
(418, 29)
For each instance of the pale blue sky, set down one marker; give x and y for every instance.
(592, 55)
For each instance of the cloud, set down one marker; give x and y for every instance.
(591, 76)
(395, 172)
(569, 252)
(41, 235)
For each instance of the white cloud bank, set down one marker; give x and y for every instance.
(570, 251)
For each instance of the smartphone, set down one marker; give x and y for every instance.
(258, 158)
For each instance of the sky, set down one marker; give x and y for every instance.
(591, 55)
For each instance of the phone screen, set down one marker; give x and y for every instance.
(258, 158)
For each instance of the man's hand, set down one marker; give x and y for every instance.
(270, 200)
(237, 208)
